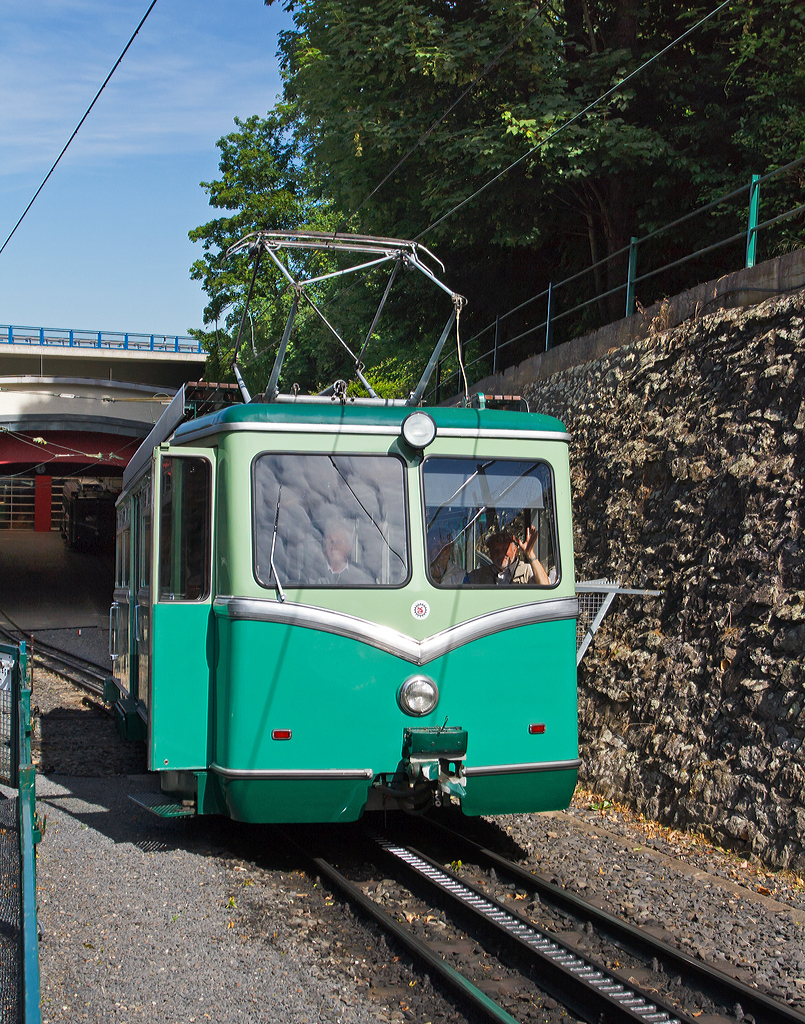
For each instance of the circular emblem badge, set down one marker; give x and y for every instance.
(420, 609)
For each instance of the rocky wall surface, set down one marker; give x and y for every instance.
(687, 465)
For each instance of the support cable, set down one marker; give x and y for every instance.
(83, 119)
(452, 107)
(575, 117)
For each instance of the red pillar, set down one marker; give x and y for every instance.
(42, 499)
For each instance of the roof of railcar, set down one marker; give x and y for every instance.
(335, 414)
(335, 417)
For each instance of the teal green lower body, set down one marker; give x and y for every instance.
(524, 793)
(264, 800)
(259, 801)
(337, 698)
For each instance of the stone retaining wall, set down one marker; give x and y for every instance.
(687, 464)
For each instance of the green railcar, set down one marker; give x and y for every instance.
(267, 691)
(313, 617)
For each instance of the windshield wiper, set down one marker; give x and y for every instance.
(481, 468)
(280, 591)
(367, 513)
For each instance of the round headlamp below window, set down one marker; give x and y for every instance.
(418, 696)
(418, 430)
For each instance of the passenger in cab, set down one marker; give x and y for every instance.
(337, 550)
(443, 570)
(506, 568)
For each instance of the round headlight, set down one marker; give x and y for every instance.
(418, 696)
(418, 430)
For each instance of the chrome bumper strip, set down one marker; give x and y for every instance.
(292, 774)
(330, 774)
(514, 769)
(418, 652)
(370, 430)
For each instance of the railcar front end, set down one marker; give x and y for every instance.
(314, 618)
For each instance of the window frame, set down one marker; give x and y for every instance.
(206, 590)
(334, 455)
(123, 546)
(490, 586)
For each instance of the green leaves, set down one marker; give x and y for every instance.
(368, 85)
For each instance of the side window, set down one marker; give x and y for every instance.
(490, 522)
(123, 547)
(184, 529)
(330, 520)
(144, 562)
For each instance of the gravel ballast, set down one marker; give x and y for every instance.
(139, 924)
(202, 920)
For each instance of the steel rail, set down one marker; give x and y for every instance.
(460, 985)
(92, 668)
(91, 676)
(61, 667)
(580, 984)
(636, 940)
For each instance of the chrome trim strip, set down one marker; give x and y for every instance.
(526, 435)
(418, 652)
(514, 769)
(390, 430)
(293, 774)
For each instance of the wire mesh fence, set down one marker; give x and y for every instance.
(589, 606)
(595, 598)
(7, 717)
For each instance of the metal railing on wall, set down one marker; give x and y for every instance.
(124, 341)
(18, 772)
(542, 333)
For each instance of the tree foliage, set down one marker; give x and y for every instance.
(364, 82)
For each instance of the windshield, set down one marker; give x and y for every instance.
(330, 520)
(490, 522)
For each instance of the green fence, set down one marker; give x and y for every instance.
(17, 772)
(642, 267)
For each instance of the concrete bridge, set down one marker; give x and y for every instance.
(160, 359)
(77, 404)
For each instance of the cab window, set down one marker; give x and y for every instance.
(329, 520)
(490, 522)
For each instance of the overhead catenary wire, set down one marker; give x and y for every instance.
(163, 398)
(66, 451)
(615, 88)
(78, 126)
(481, 74)
(38, 467)
(618, 86)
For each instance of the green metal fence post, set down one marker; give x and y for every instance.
(754, 211)
(548, 323)
(30, 835)
(630, 276)
(29, 930)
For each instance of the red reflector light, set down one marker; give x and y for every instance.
(536, 728)
(280, 734)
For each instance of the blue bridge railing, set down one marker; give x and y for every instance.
(65, 337)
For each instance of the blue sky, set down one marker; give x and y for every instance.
(105, 245)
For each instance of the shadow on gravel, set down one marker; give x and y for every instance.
(103, 804)
(63, 736)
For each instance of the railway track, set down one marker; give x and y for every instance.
(460, 925)
(675, 963)
(87, 675)
(508, 965)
